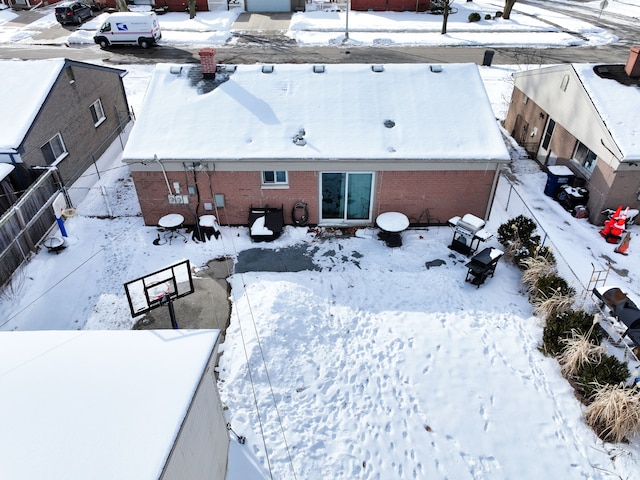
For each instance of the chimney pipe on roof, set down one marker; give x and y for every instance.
(633, 63)
(208, 62)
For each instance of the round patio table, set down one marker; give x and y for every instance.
(172, 222)
(394, 222)
(391, 224)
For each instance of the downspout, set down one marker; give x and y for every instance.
(492, 194)
(164, 172)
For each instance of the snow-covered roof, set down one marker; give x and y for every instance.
(618, 106)
(347, 111)
(5, 170)
(25, 86)
(96, 404)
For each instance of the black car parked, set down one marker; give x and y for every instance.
(73, 12)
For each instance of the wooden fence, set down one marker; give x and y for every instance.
(27, 222)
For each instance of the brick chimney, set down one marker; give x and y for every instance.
(633, 63)
(208, 61)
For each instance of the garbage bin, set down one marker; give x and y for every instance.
(557, 175)
(488, 58)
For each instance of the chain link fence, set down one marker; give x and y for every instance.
(110, 201)
(511, 201)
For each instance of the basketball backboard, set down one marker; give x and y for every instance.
(157, 288)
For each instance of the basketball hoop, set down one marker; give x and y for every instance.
(69, 212)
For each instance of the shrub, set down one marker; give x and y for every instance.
(614, 412)
(474, 17)
(579, 352)
(498, 14)
(610, 371)
(518, 237)
(548, 285)
(561, 325)
(487, 16)
(536, 267)
(551, 294)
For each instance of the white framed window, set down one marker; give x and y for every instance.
(97, 112)
(54, 149)
(274, 178)
(584, 157)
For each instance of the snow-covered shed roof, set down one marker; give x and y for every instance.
(345, 111)
(96, 404)
(618, 106)
(25, 86)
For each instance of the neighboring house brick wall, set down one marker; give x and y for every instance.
(67, 110)
(444, 193)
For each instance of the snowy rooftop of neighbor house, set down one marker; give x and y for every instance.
(618, 105)
(25, 86)
(346, 111)
(96, 404)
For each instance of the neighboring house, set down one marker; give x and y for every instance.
(64, 113)
(391, 5)
(173, 5)
(113, 404)
(350, 141)
(584, 116)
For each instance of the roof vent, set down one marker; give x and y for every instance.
(298, 139)
(267, 69)
(230, 68)
(176, 70)
(377, 68)
(318, 69)
(389, 123)
(436, 68)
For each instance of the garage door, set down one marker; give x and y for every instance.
(268, 5)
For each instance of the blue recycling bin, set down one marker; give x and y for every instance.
(557, 175)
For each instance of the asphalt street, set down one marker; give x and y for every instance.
(261, 39)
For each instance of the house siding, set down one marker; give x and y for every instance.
(67, 110)
(608, 187)
(445, 193)
(201, 449)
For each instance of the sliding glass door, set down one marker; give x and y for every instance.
(346, 197)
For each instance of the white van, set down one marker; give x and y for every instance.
(129, 28)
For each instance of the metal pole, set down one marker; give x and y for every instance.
(346, 33)
(172, 314)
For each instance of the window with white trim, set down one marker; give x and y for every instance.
(97, 112)
(274, 177)
(54, 149)
(585, 157)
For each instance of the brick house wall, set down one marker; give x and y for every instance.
(67, 110)
(444, 193)
(172, 5)
(391, 5)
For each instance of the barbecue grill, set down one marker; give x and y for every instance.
(468, 232)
